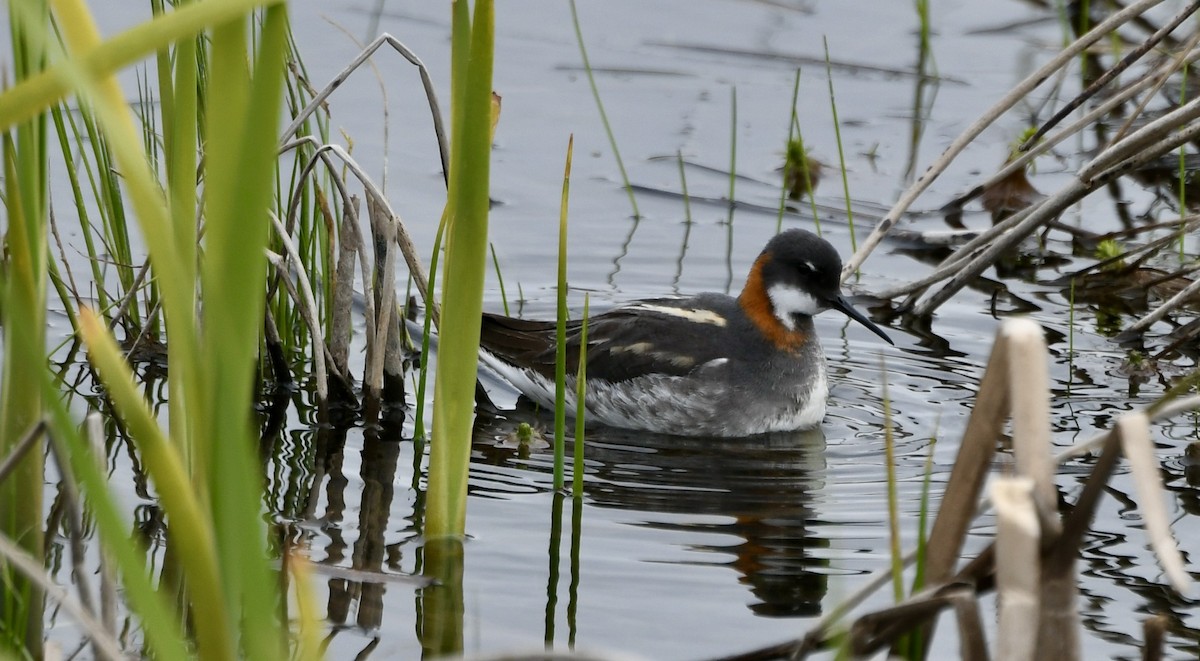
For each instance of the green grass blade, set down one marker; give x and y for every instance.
(892, 497)
(499, 278)
(181, 141)
(837, 132)
(560, 355)
(422, 378)
(783, 190)
(612, 140)
(732, 150)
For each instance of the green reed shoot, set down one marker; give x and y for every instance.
(580, 402)
(793, 125)
(471, 62)
(499, 278)
(732, 149)
(915, 643)
(892, 487)
(419, 415)
(922, 7)
(560, 356)
(796, 161)
(62, 116)
(837, 132)
(23, 317)
(893, 505)
(612, 140)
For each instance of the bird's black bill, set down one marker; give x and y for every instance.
(842, 305)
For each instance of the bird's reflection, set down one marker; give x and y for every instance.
(763, 487)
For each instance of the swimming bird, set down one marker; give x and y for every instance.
(707, 365)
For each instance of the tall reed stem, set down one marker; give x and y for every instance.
(466, 259)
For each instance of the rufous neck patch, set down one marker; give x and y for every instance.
(755, 302)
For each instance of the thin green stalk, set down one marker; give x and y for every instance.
(466, 255)
(63, 119)
(612, 140)
(915, 644)
(732, 150)
(796, 156)
(837, 132)
(182, 137)
(580, 403)
(419, 416)
(499, 278)
(560, 358)
(793, 127)
(806, 172)
(889, 444)
(923, 19)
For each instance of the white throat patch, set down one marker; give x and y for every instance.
(788, 301)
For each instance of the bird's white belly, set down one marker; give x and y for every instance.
(685, 405)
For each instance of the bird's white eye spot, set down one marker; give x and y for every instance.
(809, 266)
(788, 300)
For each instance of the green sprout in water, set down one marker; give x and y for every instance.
(524, 434)
(524, 439)
(1015, 148)
(1111, 249)
(801, 172)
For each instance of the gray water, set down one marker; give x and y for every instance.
(683, 549)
